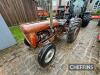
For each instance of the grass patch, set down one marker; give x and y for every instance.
(18, 35)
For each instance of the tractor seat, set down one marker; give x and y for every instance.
(36, 27)
(61, 21)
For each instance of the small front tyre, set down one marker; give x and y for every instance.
(46, 55)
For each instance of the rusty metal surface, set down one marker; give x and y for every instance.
(38, 26)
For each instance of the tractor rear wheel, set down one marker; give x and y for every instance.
(73, 30)
(86, 19)
(71, 36)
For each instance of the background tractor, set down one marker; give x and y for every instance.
(75, 8)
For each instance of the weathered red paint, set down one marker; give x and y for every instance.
(33, 40)
(36, 27)
(30, 30)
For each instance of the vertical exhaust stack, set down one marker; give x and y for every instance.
(51, 15)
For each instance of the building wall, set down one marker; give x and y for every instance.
(56, 3)
(93, 7)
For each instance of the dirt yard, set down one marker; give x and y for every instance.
(21, 60)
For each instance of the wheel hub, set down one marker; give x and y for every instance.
(49, 56)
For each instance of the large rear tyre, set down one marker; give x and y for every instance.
(86, 19)
(73, 30)
(71, 37)
(46, 55)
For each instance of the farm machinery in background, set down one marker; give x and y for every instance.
(97, 17)
(42, 13)
(42, 33)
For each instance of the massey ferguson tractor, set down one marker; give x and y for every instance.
(42, 33)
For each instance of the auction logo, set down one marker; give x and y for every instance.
(81, 67)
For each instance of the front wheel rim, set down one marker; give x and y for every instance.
(49, 55)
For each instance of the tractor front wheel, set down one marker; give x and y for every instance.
(46, 54)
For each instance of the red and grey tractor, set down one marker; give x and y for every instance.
(42, 33)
